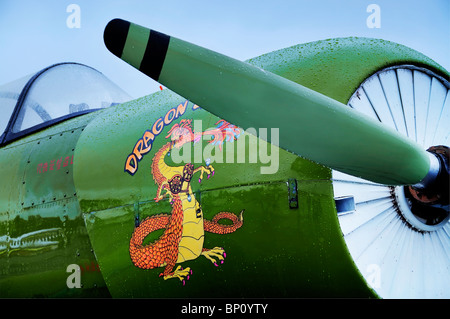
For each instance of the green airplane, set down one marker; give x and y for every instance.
(319, 170)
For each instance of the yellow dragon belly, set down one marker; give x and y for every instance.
(191, 243)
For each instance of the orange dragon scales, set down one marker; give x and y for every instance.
(183, 236)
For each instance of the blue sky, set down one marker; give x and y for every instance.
(34, 34)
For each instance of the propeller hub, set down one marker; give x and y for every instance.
(425, 205)
(434, 188)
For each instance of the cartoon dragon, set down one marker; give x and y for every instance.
(183, 237)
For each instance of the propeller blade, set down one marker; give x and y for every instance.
(310, 124)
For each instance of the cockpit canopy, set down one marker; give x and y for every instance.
(56, 93)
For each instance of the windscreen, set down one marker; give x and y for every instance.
(9, 94)
(64, 90)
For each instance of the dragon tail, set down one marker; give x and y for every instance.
(213, 226)
(147, 257)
